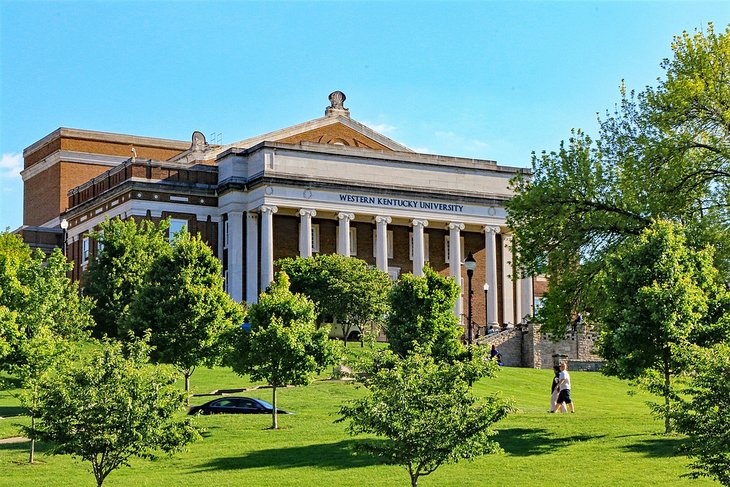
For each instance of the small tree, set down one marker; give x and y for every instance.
(108, 406)
(656, 294)
(117, 273)
(422, 314)
(427, 414)
(345, 289)
(184, 305)
(705, 419)
(42, 312)
(283, 346)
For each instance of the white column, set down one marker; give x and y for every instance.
(381, 253)
(455, 261)
(235, 255)
(252, 257)
(305, 231)
(490, 251)
(508, 309)
(267, 244)
(419, 253)
(527, 298)
(343, 245)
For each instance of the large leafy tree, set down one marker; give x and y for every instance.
(656, 294)
(426, 413)
(664, 153)
(282, 346)
(108, 405)
(345, 289)
(183, 303)
(705, 416)
(422, 316)
(117, 273)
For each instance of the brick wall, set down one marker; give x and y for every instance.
(335, 134)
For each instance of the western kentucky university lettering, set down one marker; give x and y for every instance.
(402, 203)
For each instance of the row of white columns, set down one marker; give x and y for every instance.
(521, 304)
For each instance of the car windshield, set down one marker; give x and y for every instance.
(265, 404)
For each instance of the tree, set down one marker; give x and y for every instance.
(41, 312)
(422, 314)
(663, 154)
(706, 417)
(427, 414)
(345, 289)
(656, 294)
(108, 405)
(283, 346)
(117, 273)
(183, 303)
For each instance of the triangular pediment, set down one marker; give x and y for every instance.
(336, 134)
(339, 130)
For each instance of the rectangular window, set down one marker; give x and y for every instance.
(390, 243)
(84, 250)
(226, 235)
(353, 241)
(447, 249)
(315, 238)
(425, 246)
(177, 226)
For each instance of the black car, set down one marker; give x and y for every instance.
(235, 405)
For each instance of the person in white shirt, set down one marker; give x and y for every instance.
(564, 388)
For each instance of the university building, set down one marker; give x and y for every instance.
(328, 185)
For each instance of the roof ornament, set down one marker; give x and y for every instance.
(336, 108)
(199, 143)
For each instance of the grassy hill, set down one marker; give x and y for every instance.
(610, 441)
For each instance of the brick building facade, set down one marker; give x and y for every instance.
(327, 185)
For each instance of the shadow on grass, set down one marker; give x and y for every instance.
(524, 442)
(9, 411)
(657, 447)
(331, 456)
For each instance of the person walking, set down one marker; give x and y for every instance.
(564, 389)
(555, 391)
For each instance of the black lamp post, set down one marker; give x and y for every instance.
(486, 308)
(470, 263)
(64, 227)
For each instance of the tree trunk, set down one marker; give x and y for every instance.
(274, 418)
(414, 480)
(187, 375)
(31, 458)
(667, 425)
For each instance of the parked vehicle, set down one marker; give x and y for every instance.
(235, 405)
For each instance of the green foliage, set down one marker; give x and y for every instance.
(706, 417)
(656, 293)
(183, 303)
(39, 299)
(663, 154)
(422, 314)
(107, 406)
(427, 414)
(116, 274)
(345, 289)
(283, 346)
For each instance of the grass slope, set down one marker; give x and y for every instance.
(611, 440)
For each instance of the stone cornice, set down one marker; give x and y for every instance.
(71, 156)
(404, 157)
(105, 137)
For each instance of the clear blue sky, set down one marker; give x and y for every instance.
(491, 80)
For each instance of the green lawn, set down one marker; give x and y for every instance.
(611, 440)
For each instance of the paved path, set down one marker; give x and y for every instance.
(14, 439)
